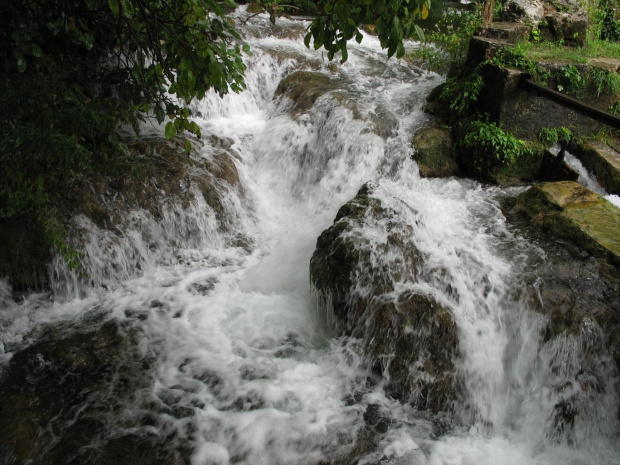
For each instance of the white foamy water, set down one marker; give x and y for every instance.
(246, 369)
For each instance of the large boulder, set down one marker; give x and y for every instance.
(408, 338)
(579, 352)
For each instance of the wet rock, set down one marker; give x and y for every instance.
(164, 175)
(414, 341)
(579, 351)
(384, 123)
(305, 87)
(581, 344)
(433, 152)
(408, 338)
(45, 385)
(60, 398)
(161, 177)
(575, 213)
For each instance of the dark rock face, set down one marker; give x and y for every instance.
(580, 294)
(163, 176)
(409, 338)
(57, 394)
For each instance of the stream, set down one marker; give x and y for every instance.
(232, 357)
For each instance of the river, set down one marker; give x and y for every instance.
(241, 351)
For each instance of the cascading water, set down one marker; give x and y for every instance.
(586, 179)
(239, 367)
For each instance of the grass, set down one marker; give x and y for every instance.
(556, 50)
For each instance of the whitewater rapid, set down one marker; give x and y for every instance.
(241, 342)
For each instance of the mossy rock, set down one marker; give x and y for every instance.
(575, 213)
(433, 152)
(254, 8)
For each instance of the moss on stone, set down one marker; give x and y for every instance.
(573, 212)
(433, 152)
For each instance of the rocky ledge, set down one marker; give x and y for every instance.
(575, 213)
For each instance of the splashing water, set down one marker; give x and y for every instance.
(243, 368)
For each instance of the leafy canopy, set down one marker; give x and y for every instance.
(72, 71)
(393, 21)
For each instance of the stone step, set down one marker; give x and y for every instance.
(507, 32)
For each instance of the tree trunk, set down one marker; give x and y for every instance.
(487, 13)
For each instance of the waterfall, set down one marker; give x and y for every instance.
(239, 364)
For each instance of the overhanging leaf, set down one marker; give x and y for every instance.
(170, 130)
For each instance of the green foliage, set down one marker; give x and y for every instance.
(56, 236)
(551, 136)
(515, 57)
(73, 70)
(462, 93)
(615, 109)
(488, 138)
(604, 81)
(570, 80)
(608, 20)
(393, 20)
(447, 43)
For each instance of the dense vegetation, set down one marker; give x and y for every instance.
(73, 71)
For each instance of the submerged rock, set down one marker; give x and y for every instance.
(573, 212)
(409, 338)
(56, 394)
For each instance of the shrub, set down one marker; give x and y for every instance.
(551, 136)
(489, 139)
